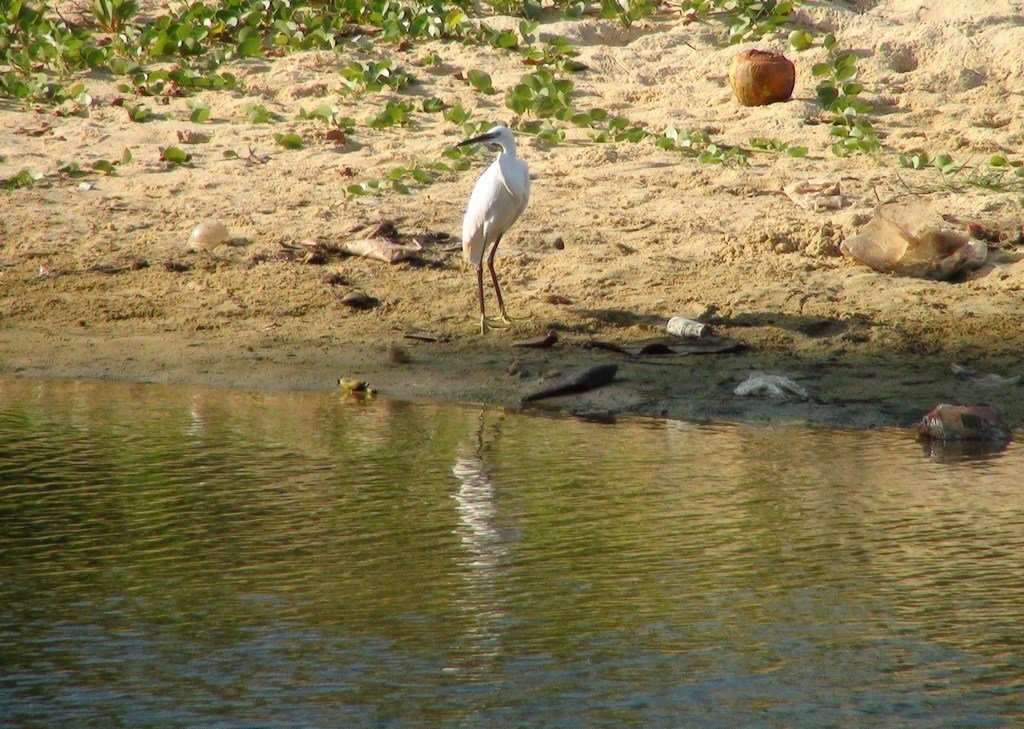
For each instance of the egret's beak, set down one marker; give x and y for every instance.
(476, 140)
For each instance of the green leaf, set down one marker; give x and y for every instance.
(289, 141)
(200, 113)
(800, 40)
(847, 59)
(175, 155)
(249, 47)
(432, 105)
(480, 81)
(997, 160)
(126, 156)
(139, 113)
(796, 152)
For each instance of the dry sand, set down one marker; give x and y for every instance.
(648, 233)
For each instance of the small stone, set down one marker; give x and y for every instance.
(208, 234)
(359, 301)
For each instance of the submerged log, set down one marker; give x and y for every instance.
(581, 381)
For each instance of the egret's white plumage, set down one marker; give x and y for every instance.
(499, 197)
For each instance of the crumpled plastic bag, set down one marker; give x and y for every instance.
(773, 385)
(903, 243)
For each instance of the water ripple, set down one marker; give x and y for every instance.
(184, 557)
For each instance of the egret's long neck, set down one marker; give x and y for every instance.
(508, 146)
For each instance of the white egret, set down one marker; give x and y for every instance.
(497, 201)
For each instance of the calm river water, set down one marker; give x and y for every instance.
(185, 557)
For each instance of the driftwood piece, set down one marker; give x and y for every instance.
(421, 336)
(580, 381)
(683, 327)
(672, 346)
(544, 341)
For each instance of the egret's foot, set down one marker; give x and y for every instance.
(510, 320)
(489, 322)
(496, 322)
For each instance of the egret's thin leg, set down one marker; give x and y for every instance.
(503, 315)
(494, 278)
(480, 293)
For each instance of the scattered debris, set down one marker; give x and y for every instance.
(557, 243)
(980, 232)
(114, 263)
(208, 234)
(38, 131)
(683, 327)
(987, 380)
(544, 341)
(191, 136)
(774, 385)
(964, 422)
(86, 185)
(356, 387)
(359, 301)
(816, 195)
(587, 379)
(335, 279)
(913, 248)
(175, 265)
(423, 337)
(430, 239)
(515, 369)
(378, 242)
(555, 299)
(397, 355)
(380, 249)
(671, 345)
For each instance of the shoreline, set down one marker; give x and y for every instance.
(859, 391)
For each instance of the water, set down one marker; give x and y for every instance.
(188, 557)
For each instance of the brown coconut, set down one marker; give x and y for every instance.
(761, 77)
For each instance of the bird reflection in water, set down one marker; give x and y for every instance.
(485, 537)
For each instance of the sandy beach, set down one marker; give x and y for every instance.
(98, 278)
